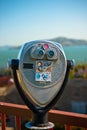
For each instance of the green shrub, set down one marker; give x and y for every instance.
(5, 72)
(79, 71)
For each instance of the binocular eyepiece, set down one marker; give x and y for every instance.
(46, 51)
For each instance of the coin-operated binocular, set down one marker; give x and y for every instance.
(40, 74)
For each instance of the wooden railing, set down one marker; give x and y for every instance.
(21, 111)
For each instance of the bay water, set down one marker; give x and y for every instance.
(79, 53)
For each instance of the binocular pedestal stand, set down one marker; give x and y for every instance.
(40, 74)
(48, 127)
(39, 122)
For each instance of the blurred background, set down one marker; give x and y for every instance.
(63, 21)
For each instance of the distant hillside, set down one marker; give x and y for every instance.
(69, 42)
(62, 40)
(6, 47)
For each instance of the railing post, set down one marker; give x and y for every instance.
(67, 127)
(3, 116)
(18, 122)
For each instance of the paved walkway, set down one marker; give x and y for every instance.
(8, 128)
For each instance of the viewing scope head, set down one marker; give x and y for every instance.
(40, 74)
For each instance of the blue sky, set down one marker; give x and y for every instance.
(25, 20)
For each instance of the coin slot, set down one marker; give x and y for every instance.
(27, 65)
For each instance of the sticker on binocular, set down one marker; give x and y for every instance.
(43, 71)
